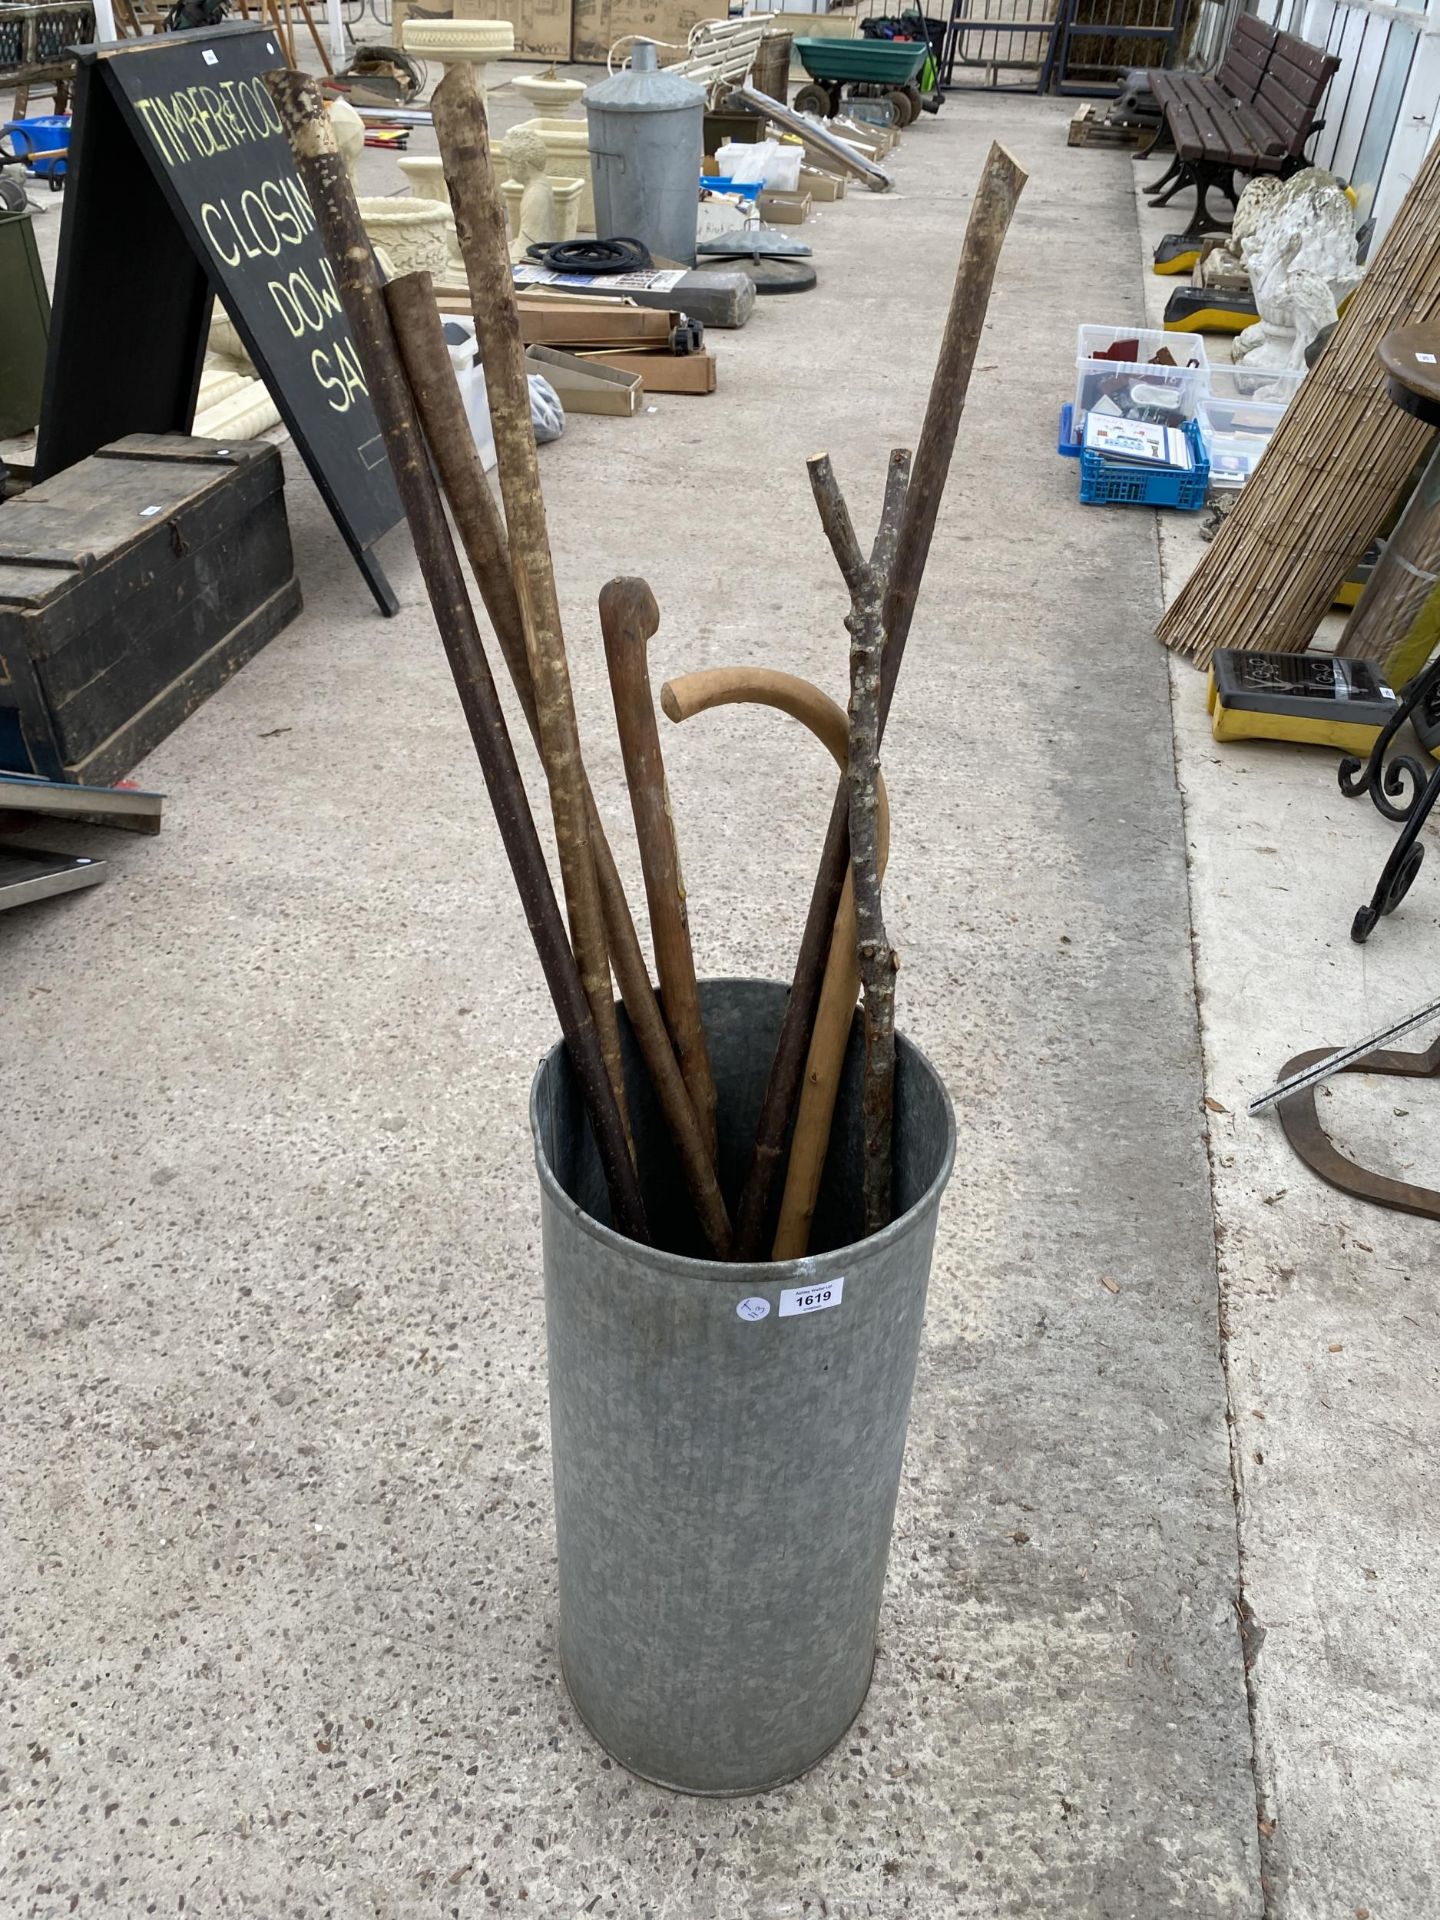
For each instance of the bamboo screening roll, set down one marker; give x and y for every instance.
(1333, 469)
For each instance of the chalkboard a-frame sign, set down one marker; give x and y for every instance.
(181, 186)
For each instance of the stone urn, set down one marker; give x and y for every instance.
(426, 174)
(547, 93)
(412, 234)
(469, 43)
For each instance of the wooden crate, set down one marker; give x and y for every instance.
(132, 586)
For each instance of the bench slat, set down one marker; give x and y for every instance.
(1246, 58)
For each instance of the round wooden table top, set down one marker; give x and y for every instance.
(1411, 359)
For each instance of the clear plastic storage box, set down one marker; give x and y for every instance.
(1276, 386)
(1236, 433)
(1175, 390)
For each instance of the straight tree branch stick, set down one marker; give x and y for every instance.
(721, 686)
(990, 214)
(464, 138)
(418, 333)
(628, 619)
(877, 959)
(332, 196)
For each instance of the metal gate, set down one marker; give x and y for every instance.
(1070, 46)
(1005, 45)
(1101, 39)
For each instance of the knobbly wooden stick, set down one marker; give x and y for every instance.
(328, 185)
(628, 619)
(868, 581)
(696, 693)
(464, 139)
(990, 213)
(411, 301)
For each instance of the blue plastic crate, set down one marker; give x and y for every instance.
(45, 133)
(1067, 443)
(1102, 486)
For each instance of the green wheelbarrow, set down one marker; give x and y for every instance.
(874, 69)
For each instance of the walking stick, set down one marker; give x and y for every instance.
(628, 618)
(868, 581)
(461, 129)
(421, 340)
(694, 693)
(990, 213)
(332, 196)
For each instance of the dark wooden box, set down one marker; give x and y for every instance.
(131, 587)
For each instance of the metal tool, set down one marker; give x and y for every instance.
(1313, 1069)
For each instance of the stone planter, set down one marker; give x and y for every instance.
(426, 174)
(567, 205)
(471, 43)
(412, 234)
(567, 157)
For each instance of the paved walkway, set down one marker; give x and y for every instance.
(275, 1531)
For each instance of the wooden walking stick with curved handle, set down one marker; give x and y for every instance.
(628, 619)
(696, 693)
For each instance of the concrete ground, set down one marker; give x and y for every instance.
(277, 1549)
(1330, 1319)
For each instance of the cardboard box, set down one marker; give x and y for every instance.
(665, 372)
(875, 142)
(785, 209)
(597, 24)
(821, 185)
(542, 27)
(816, 23)
(593, 323)
(587, 386)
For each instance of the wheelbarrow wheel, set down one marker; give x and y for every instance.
(916, 99)
(905, 107)
(812, 99)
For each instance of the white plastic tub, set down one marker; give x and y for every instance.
(1097, 379)
(470, 378)
(770, 163)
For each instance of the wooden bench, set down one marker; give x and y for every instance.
(1255, 114)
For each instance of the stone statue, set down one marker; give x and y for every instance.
(538, 221)
(1301, 259)
(1222, 264)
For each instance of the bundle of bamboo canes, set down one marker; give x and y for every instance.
(407, 368)
(1332, 471)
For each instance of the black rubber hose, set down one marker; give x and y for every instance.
(593, 256)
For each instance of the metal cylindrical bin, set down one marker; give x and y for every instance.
(646, 144)
(728, 1439)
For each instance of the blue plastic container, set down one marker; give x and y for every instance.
(718, 183)
(1067, 443)
(1102, 486)
(43, 134)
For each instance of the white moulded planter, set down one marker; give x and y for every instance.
(467, 43)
